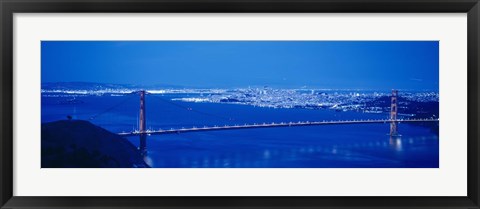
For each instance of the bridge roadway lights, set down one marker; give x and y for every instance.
(183, 129)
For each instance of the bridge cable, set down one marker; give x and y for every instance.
(114, 106)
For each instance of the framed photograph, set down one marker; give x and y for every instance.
(239, 104)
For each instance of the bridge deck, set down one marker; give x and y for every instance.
(269, 125)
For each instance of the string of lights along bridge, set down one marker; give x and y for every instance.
(393, 120)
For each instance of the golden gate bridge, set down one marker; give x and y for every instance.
(393, 121)
(142, 131)
(271, 125)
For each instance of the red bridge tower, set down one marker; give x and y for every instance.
(143, 124)
(393, 114)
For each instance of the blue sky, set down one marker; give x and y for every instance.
(376, 65)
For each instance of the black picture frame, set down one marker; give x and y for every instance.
(9, 7)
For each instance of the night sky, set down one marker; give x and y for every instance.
(375, 65)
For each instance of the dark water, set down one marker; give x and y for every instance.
(329, 146)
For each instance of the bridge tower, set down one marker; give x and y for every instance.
(142, 119)
(393, 114)
(143, 124)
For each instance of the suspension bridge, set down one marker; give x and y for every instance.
(143, 132)
(393, 121)
(268, 125)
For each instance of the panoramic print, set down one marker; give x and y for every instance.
(240, 104)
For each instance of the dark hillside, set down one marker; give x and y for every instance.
(80, 144)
